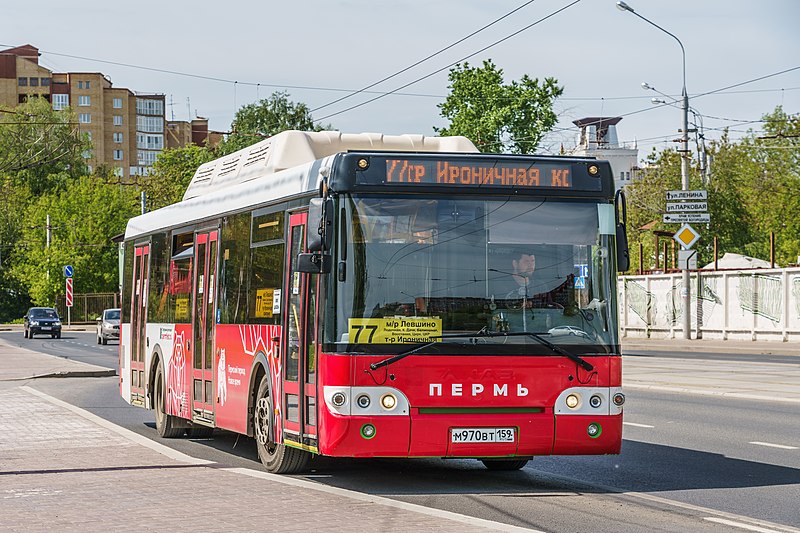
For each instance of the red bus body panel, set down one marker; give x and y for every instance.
(446, 392)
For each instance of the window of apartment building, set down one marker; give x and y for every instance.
(89, 168)
(80, 85)
(87, 154)
(146, 158)
(118, 172)
(22, 82)
(117, 138)
(150, 124)
(84, 101)
(33, 82)
(44, 82)
(117, 103)
(149, 141)
(118, 120)
(88, 135)
(146, 106)
(117, 155)
(60, 101)
(85, 118)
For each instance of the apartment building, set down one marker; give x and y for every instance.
(127, 129)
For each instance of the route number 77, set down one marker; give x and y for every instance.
(361, 329)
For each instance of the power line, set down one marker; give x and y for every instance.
(554, 13)
(424, 59)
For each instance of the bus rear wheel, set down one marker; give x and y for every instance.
(165, 424)
(276, 458)
(504, 465)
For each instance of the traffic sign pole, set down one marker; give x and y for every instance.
(69, 297)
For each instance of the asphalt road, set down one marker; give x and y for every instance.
(685, 459)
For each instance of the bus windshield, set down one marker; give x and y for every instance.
(421, 268)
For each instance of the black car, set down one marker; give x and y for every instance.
(42, 321)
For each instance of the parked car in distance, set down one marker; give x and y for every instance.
(42, 320)
(108, 326)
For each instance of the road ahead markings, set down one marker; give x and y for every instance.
(781, 446)
(636, 425)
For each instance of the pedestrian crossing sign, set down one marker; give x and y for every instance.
(580, 282)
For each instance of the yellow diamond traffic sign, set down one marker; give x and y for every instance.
(686, 236)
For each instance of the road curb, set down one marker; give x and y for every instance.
(70, 374)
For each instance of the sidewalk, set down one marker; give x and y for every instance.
(65, 469)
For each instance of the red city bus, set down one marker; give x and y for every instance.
(381, 296)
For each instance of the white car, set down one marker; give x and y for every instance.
(108, 326)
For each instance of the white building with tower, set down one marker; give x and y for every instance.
(599, 139)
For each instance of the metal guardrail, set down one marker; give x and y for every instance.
(87, 307)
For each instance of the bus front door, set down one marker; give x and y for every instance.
(141, 264)
(203, 319)
(299, 346)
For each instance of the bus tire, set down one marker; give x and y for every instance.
(276, 458)
(200, 432)
(504, 465)
(165, 424)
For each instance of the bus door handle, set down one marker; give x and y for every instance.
(188, 345)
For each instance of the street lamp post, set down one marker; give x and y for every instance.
(686, 295)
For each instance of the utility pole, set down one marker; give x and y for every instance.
(686, 294)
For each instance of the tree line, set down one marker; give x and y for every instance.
(753, 184)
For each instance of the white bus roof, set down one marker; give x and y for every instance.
(283, 166)
(293, 148)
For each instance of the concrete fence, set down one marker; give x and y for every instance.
(762, 304)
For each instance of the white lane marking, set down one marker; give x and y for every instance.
(740, 525)
(296, 482)
(636, 425)
(771, 445)
(364, 497)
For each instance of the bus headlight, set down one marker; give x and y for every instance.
(338, 399)
(595, 401)
(388, 401)
(572, 401)
(594, 430)
(363, 401)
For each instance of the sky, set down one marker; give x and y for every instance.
(210, 58)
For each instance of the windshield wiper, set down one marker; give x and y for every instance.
(483, 333)
(586, 365)
(437, 338)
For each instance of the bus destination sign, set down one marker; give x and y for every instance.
(479, 173)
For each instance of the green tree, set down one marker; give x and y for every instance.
(83, 217)
(39, 147)
(498, 117)
(752, 191)
(254, 122)
(172, 173)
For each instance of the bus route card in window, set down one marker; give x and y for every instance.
(470, 435)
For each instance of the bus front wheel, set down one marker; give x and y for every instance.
(276, 458)
(165, 424)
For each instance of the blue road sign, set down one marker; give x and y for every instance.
(68, 271)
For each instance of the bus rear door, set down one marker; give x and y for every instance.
(141, 265)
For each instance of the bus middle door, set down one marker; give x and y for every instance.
(203, 320)
(300, 360)
(138, 341)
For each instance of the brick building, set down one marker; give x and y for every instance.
(128, 129)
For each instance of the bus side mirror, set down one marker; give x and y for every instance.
(320, 224)
(314, 263)
(623, 254)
